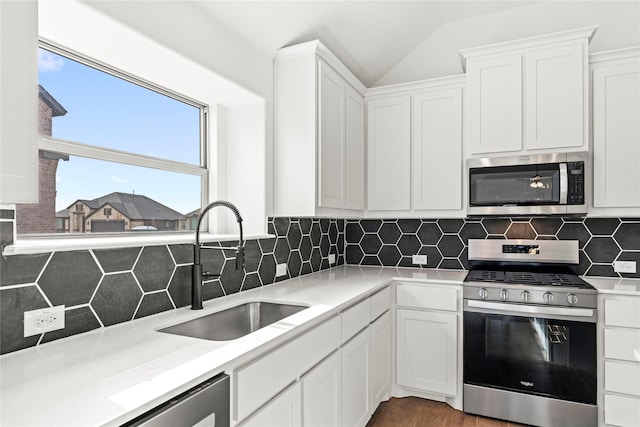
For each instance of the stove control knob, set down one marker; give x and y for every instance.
(526, 296)
(572, 299)
(504, 294)
(483, 293)
(548, 297)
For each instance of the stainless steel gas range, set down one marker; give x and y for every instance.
(529, 334)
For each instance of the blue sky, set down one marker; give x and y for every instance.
(107, 111)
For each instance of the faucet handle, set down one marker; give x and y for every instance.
(208, 275)
(240, 258)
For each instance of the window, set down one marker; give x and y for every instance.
(117, 154)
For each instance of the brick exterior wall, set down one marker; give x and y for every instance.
(40, 217)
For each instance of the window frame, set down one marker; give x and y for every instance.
(80, 149)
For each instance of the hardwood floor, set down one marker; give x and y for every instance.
(415, 412)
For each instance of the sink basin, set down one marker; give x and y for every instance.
(234, 322)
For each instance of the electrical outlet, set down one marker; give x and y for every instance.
(332, 259)
(624, 267)
(281, 269)
(44, 320)
(419, 259)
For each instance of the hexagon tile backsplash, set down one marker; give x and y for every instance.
(103, 287)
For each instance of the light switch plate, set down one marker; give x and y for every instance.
(624, 267)
(44, 320)
(419, 259)
(332, 259)
(281, 269)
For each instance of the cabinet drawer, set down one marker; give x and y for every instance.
(380, 302)
(424, 296)
(622, 312)
(619, 344)
(259, 381)
(354, 319)
(621, 410)
(622, 377)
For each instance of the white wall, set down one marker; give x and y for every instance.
(437, 56)
(172, 44)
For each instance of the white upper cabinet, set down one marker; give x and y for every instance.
(616, 132)
(319, 134)
(19, 102)
(389, 153)
(437, 149)
(529, 95)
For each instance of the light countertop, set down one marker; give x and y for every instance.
(614, 285)
(110, 375)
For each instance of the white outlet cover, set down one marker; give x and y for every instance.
(624, 267)
(332, 259)
(43, 320)
(419, 259)
(281, 269)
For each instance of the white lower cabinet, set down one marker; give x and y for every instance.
(285, 410)
(380, 359)
(356, 364)
(321, 394)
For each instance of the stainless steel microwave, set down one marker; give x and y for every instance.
(545, 184)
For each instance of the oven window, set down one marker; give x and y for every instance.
(551, 358)
(518, 185)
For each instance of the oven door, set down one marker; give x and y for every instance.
(531, 354)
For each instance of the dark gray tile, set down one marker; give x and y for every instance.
(7, 214)
(281, 226)
(574, 231)
(295, 235)
(180, 286)
(325, 246)
(496, 225)
(21, 269)
(252, 256)
(70, 278)
(341, 225)
(316, 259)
(267, 270)
(116, 299)
(546, 226)
(370, 225)
(155, 267)
(628, 236)
(451, 264)
(156, 302)
(76, 321)
(407, 261)
(389, 233)
(429, 233)
(353, 254)
(305, 248)
(251, 281)
(409, 225)
(282, 250)
(294, 264)
(324, 225)
(389, 255)
(271, 229)
(583, 264)
(371, 260)
(464, 259)
(316, 234)
(212, 290)
(231, 279)
(213, 260)
(370, 244)
(267, 245)
(472, 230)
(602, 226)
(305, 225)
(450, 225)
(353, 232)
(450, 245)
(121, 259)
(13, 303)
(333, 232)
(631, 256)
(602, 250)
(409, 244)
(521, 230)
(602, 270)
(183, 253)
(433, 256)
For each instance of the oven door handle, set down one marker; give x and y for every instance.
(532, 309)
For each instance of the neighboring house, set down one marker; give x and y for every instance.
(39, 217)
(117, 212)
(190, 220)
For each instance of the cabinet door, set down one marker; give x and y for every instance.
(437, 149)
(380, 359)
(321, 395)
(354, 149)
(389, 153)
(495, 90)
(555, 97)
(331, 128)
(356, 361)
(616, 132)
(426, 351)
(283, 411)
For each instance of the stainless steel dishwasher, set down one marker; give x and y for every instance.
(205, 405)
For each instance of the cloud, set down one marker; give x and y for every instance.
(58, 178)
(118, 179)
(48, 62)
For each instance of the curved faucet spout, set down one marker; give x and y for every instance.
(197, 276)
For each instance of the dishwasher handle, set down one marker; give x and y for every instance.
(207, 404)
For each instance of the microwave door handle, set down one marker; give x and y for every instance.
(564, 183)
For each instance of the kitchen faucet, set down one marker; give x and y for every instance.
(198, 275)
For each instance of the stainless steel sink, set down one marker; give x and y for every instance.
(234, 322)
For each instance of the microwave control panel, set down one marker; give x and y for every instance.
(575, 189)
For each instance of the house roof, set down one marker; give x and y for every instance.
(57, 110)
(133, 206)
